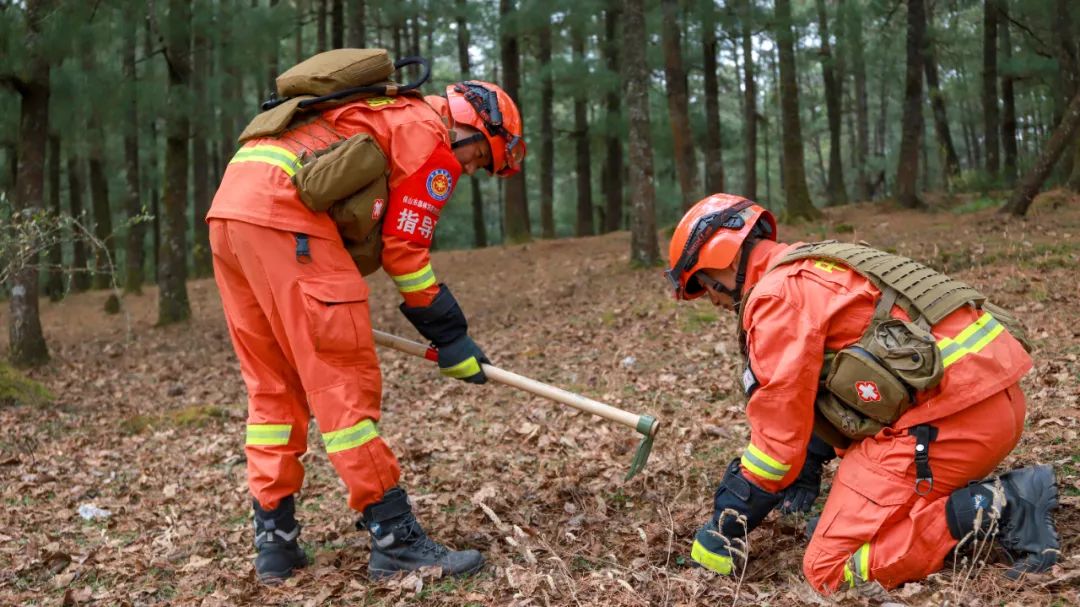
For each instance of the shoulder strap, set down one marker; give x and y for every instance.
(921, 291)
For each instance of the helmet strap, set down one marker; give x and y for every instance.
(740, 276)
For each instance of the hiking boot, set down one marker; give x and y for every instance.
(399, 543)
(1021, 501)
(275, 540)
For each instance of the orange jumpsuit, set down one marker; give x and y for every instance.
(874, 525)
(299, 319)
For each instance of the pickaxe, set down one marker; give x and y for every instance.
(645, 424)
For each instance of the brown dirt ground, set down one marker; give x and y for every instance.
(149, 424)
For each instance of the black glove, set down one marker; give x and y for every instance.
(443, 323)
(800, 495)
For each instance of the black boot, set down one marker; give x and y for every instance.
(398, 542)
(1022, 501)
(275, 540)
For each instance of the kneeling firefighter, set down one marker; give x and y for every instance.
(346, 172)
(912, 375)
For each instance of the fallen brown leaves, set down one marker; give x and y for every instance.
(151, 429)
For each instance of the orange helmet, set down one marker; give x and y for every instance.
(488, 109)
(709, 236)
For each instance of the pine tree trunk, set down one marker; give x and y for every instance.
(337, 24)
(516, 215)
(714, 158)
(547, 142)
(1008, 102)
(613, 160)
(749, 103)
(1031, 183)
(941, 117)
(26, 342)
(172, 258)
(678, 104)
(320, 17)
(795, 190)
(54, 283)
(200, 154)
(862, 104)
(358, 28)
(80, 277)
(583, 223)
(834, 92)
(298, 33)
(105, 249)
(135, 253)
(907, 171)
(991, 126)
(644, 249)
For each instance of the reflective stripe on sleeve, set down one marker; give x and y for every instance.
(857, 567)
(415, 281)
(268, 434)
(348, 438)
(278, 156)
(971, 340)
(466, 368)
(757, 461)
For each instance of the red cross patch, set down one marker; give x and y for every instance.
(868, 391)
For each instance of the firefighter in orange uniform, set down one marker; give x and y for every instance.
(298, 315)
(924, 406)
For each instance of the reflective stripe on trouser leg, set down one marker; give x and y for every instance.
(857, 568)
(351, 437)
(268, 434)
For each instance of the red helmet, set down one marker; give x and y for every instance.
(710, 235)
(488, 109)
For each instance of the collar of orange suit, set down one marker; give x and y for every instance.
(762, 257)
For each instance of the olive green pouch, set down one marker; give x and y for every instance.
(838, 424)
(339, 171)
(861, 382)
(359, 220)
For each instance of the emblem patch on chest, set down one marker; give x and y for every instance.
(868, 391)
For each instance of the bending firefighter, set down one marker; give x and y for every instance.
(325, 187)
(911, 375)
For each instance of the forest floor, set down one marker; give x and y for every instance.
(148, 423)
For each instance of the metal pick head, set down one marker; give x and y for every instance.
(648, 426)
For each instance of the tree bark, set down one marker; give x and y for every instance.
(862, 104)
(54, 283)
(99, 196)
(714, 155)
(834, 92)
(1029, 186)
(583, 224)
(135, 252)
(26, 342)
(795, 190)
(516, 215)
(613, 161)
(1008, 101)
(644, 249)
(337, 24)
(320, 27)
(358, 30)
(991, 121)
(153, 177)
(80, 277)
(678, 104)
(907, 171)
(479, 227)
(547, 143)
(749, 103)
(200, 154)
(172, 258)
(937, 104)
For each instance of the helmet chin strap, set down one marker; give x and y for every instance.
(740, 275)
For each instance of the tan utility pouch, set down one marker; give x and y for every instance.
(336, 70)
(838, 424)
(339, 171)
(359, 220)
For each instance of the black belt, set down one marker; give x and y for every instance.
(924, 477)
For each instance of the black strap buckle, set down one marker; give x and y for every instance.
(303, 250)
(924, 477)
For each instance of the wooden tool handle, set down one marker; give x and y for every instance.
(532, 386)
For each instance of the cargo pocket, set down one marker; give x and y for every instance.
(336, 307)
(869, 499)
